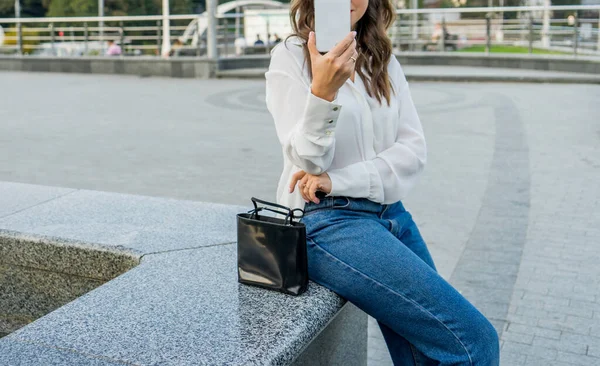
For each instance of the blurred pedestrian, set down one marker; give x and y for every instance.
(113, 49)
(240, 44)
(176, 48)
(259, 42)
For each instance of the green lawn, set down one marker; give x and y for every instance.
(510, 49)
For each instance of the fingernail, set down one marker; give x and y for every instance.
(354, 33)
(311, 33)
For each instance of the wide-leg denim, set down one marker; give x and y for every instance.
(373, 255)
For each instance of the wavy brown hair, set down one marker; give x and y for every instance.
(372, 42)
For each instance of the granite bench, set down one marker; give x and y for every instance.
(97, 278)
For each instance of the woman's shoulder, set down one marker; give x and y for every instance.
(289, 48)
(394, 66)
(396, 72)
(288, 56)
(294, 40)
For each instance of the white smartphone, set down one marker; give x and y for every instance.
(332, 22)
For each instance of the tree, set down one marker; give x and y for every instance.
(7, 8)
(66, 8)
(70, 8)
(178, 6)
(29, 8)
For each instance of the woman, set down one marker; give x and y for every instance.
(353, 147)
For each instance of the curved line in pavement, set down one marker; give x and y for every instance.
(487, 269)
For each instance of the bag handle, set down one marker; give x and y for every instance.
(289, 215)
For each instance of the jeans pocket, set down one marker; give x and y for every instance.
(313, 211)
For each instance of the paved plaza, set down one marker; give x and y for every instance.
(509, 202)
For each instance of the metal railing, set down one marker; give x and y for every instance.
(77, 36)
(531, 29)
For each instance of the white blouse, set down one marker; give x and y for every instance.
(369, 150)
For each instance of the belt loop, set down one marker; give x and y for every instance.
(385, 207)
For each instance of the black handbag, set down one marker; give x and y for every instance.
(272, 251)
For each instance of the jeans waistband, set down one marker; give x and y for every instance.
(343, 202)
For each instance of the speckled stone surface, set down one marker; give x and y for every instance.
(102, 262)
(144, 224)
(40, 274)
(19, 196)
(187, 308)
(346, 334)
(27, 294)
(172, 296)
(26, 354)
(33, 292)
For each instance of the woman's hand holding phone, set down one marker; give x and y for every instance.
(331, 70)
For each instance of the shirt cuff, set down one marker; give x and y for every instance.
(351, 181)
(320, 115)
(358, 180)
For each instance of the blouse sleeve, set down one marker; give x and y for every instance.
(393, 172)
(305, 123)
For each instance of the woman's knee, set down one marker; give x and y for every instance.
(486, 349)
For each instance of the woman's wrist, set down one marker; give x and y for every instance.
(326, 95)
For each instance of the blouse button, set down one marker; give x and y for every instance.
(335, 108)
(329, 121)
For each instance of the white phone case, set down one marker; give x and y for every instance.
(332, 22)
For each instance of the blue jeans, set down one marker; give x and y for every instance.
(374, 256)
